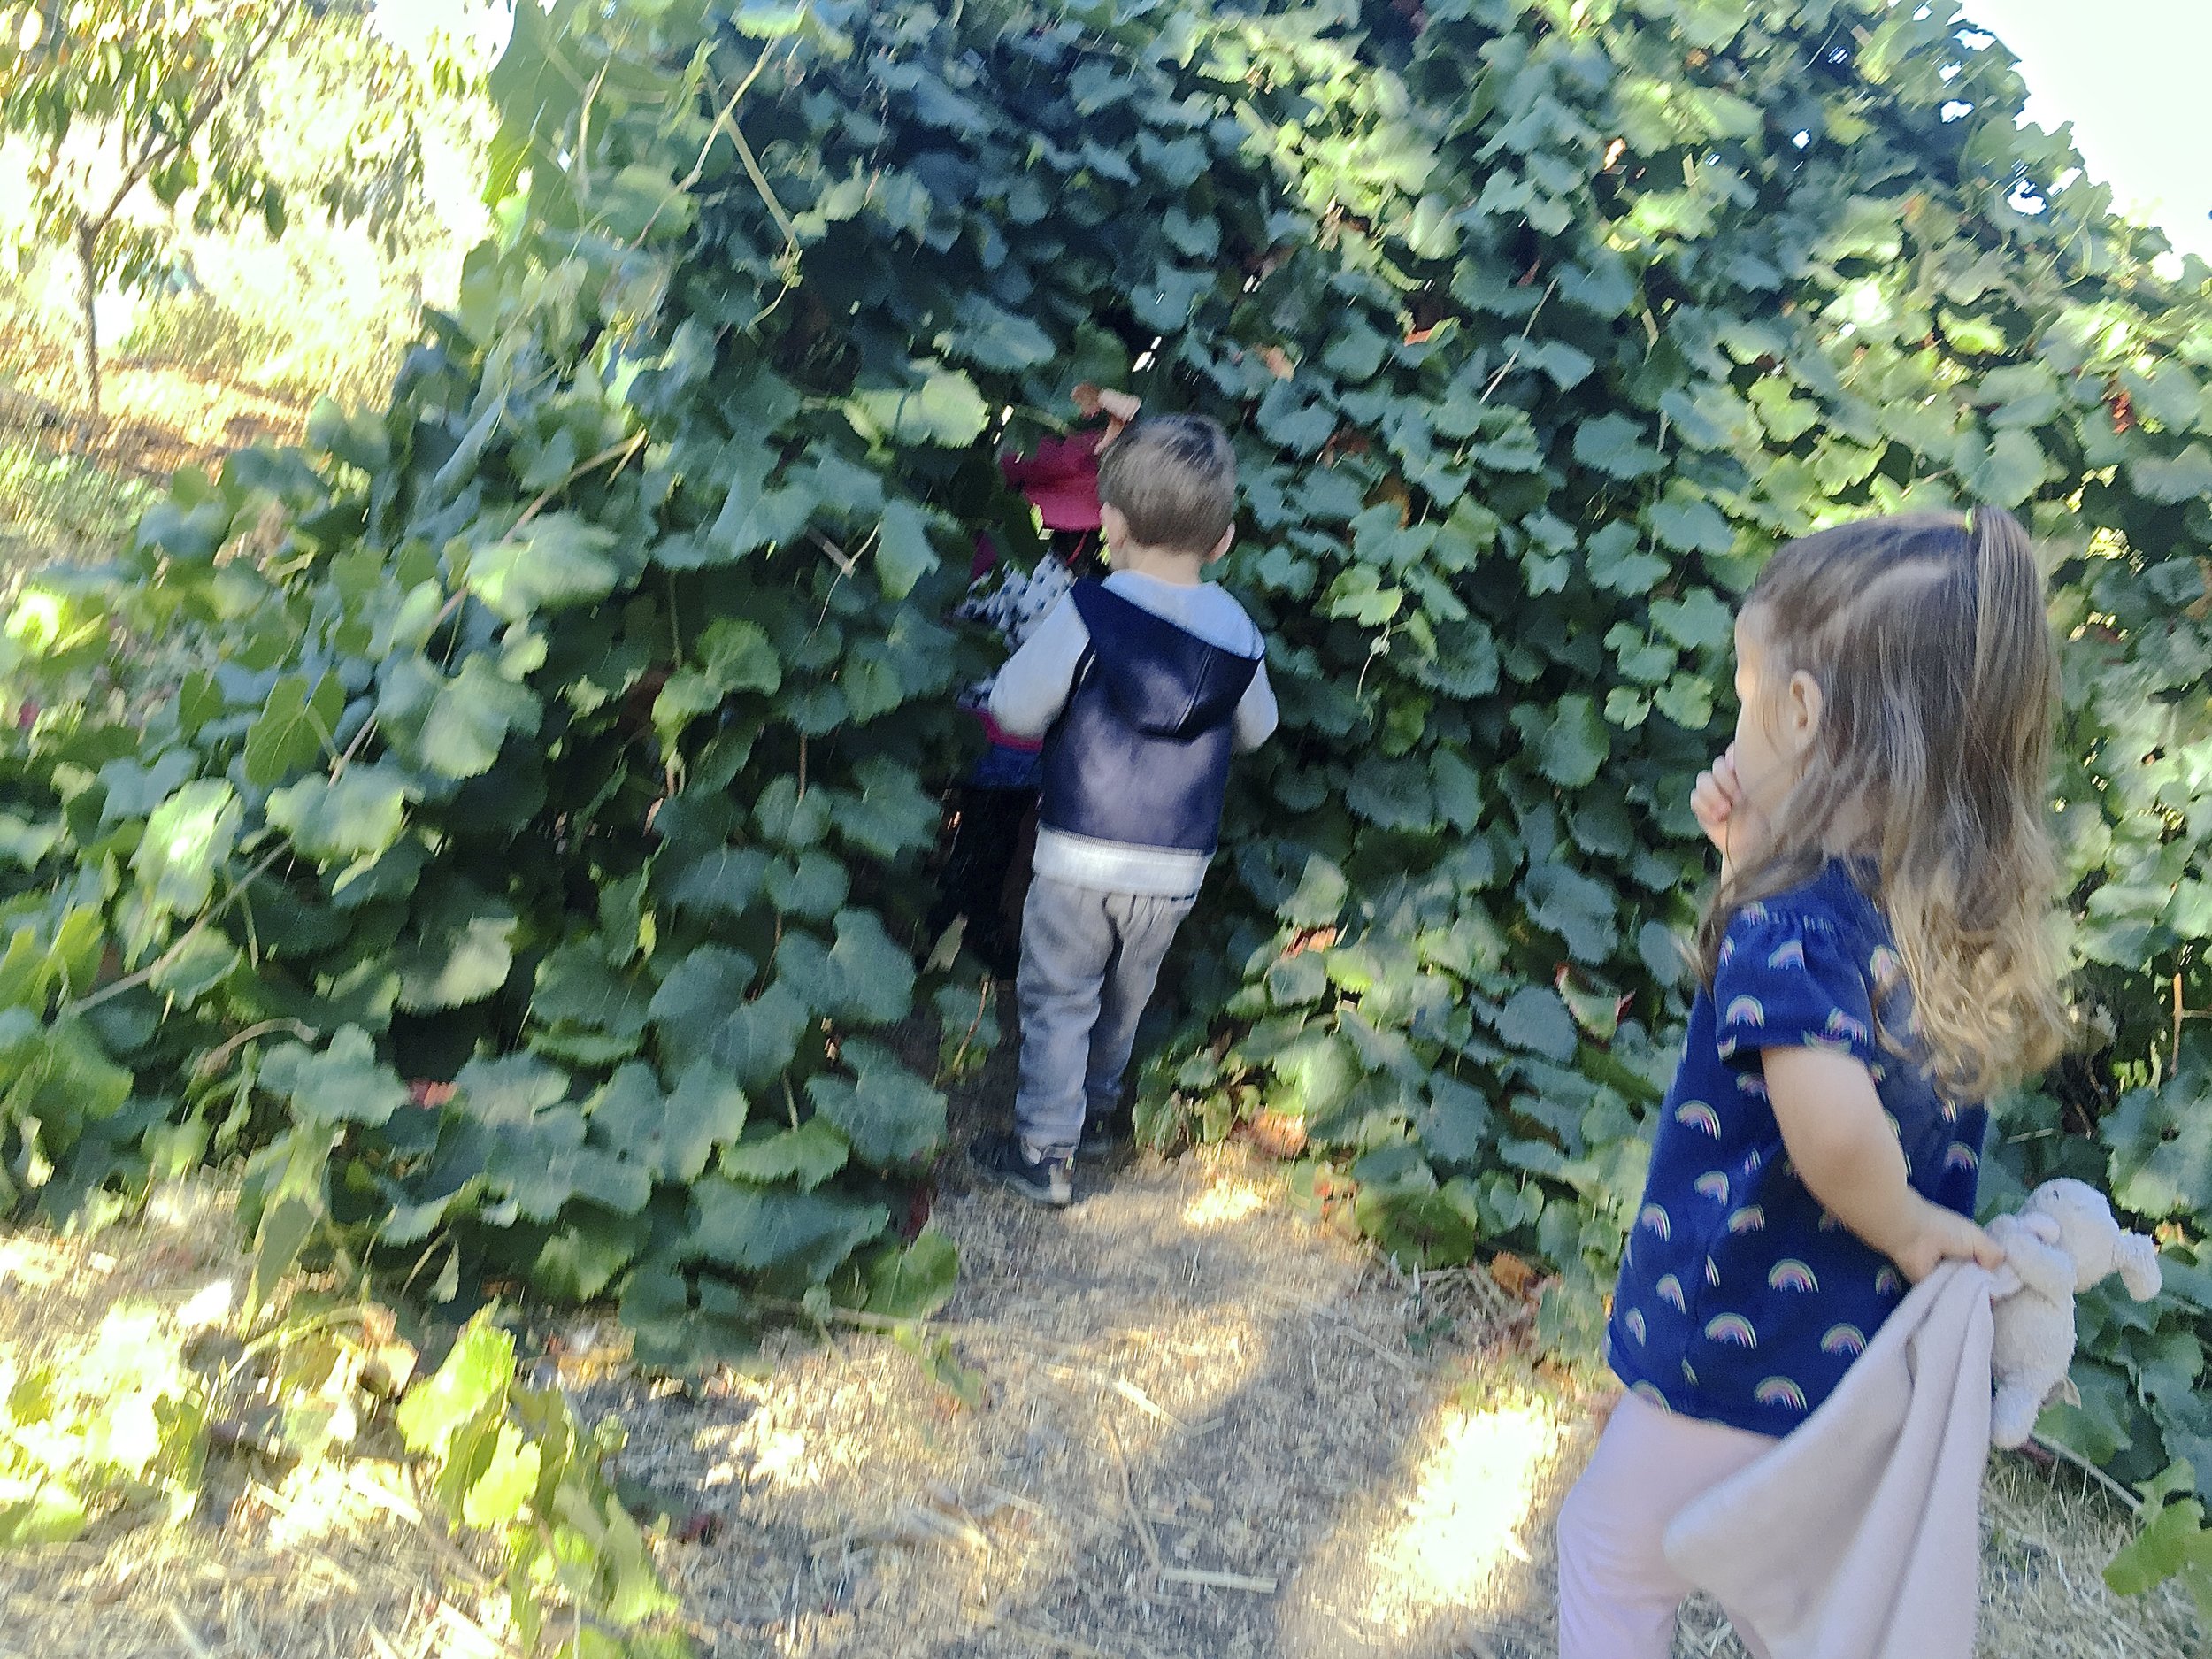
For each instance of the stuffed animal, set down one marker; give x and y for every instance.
(2062, 1240)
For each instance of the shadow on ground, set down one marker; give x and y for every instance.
(1207, 1430)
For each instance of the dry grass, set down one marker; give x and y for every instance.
(1206, 1429)
(327, 1561)
(1179, 1378)
(72, 489)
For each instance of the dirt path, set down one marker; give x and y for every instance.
(1207, 1430)
(1286, 1409)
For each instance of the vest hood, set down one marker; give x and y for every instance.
(1163, 680)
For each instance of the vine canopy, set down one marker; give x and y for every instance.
(523, 860)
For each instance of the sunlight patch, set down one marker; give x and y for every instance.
(1478, 1485)
(1224, 1205)
(29, 1262)
(758, 1454)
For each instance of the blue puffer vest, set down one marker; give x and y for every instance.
(1141, 753)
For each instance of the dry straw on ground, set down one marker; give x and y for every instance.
(327, 1561)
(1207, 1430)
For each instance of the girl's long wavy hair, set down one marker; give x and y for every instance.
(1928, 636)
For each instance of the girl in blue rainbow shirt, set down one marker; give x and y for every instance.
(1875, 961)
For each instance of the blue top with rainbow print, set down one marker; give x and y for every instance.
(1741, 1299)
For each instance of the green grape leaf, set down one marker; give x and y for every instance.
(671, 1136)
(1612, 443)
(944, 409)
(557, 562)
(806, 1233)
(509, 1482)
(696, 997)
(757, 1040)
(903, 555)
(187, 840)
(294, 728)
(355, 815)
(577, 986)
(2003, 470)
(1575, 743)
(471, 718)
(805, 1156)
(452, 969)
(343, 1083)
(913, 1282)
(1535, 1019)
(890, 814)
(474, 1379)
(889, 1114)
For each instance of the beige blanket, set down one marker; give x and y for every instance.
(1858, 1536)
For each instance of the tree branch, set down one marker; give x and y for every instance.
(198, 113)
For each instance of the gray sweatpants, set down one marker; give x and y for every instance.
(1089, 962)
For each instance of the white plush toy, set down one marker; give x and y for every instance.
(2062, 1240)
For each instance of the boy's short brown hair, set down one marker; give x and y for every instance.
(1174, 479)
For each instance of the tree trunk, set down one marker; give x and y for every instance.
(87, 292)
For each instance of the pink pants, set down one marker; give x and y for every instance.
(1617, 1596)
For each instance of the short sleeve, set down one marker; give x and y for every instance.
(1790, 979)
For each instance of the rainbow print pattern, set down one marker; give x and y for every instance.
(1650, 1394)
(1731, 1328)
(1787, 1299)
(1696, 1114)
(1746, 1010)
(1792, 1274)
(1779, 1390)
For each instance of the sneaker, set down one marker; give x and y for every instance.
(1046, 1182)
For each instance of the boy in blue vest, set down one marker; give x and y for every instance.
(1142, 686)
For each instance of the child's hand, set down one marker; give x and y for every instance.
(1717, 799)
(1120, 408)
(1944, 1235)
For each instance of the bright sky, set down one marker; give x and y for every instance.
(2130, 75)
(409, 23)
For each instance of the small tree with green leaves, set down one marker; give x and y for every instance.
(132, 104)
(121, 97)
